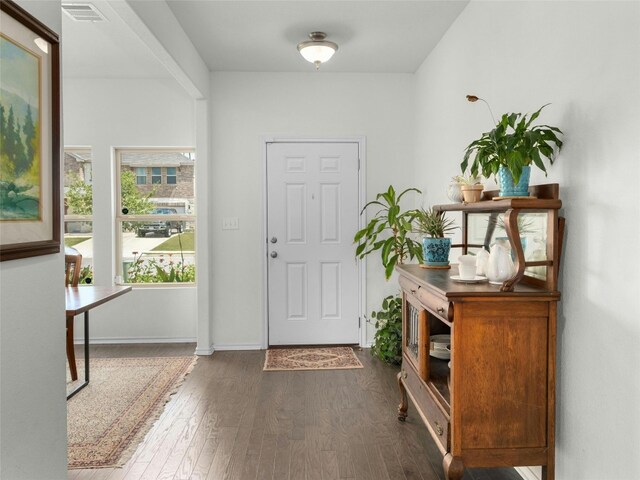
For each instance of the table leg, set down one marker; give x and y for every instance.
(86, 357)
(86, 347)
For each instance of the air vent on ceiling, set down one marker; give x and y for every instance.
(83, 12)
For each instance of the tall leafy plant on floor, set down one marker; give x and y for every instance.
(387, 342)
(389, 231)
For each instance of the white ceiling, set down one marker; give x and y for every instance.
(392, 36)
(108, 49)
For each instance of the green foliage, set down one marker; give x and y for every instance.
(86, 275)
(513, 143)
(79, 197)
(387, 342)
(17, 148)
(71, 241)
(134, 201)
(160, 270)
(29, 131)
(183, 241)
(393, 226)
(525, 224)
(466, 179)
(433, 223)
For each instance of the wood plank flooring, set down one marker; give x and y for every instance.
(232, 421)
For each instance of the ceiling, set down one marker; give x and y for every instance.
(392, 36)
(107, 49)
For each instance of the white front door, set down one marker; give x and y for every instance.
(312, 217)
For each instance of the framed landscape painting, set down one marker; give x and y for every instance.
(29, 135)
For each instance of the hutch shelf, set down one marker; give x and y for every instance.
(493, 404)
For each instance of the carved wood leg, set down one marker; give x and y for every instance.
(453, 467)
(402, 408)
(71, 354)
(548, 472)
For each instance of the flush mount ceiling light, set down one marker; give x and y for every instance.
(317, 50)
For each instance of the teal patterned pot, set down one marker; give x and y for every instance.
(508, 189)
(436, 251)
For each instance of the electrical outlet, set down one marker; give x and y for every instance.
(230, 223)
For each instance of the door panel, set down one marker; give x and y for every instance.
(312, 195)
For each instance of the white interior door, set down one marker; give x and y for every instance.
(312, 217)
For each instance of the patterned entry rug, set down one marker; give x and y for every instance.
(329, 358)
(109, 418)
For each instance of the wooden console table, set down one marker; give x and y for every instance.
(493, 404)
(81, 300)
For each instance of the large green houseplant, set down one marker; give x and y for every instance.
(389, 231)
(509, 150)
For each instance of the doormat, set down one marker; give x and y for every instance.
(327, 358)
(109, 417)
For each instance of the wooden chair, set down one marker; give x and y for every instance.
(73, 265)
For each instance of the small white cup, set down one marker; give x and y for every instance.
(467, 267)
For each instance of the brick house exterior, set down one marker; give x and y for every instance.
(77, 164)
(168, 175)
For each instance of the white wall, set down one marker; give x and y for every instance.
(247, 106)
(108, 113)
(33, 429)
(584, 58)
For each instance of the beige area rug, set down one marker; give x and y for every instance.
(329, 358)
(109, 418)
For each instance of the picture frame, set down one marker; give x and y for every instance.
(30, 147)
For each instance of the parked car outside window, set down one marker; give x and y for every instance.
(162, 227)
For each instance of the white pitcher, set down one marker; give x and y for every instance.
(500, 266)
(482, 258)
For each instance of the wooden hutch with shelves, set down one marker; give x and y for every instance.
(493, 405)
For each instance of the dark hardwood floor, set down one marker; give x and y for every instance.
(230, 420)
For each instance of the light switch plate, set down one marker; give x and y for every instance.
(230, 223)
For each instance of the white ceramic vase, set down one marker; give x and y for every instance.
(500, 267)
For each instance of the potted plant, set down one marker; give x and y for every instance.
(434, 225)
(509, 150)
(389, 231)
(387, 342)
(454, 192)
(471, 188)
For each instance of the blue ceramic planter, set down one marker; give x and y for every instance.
(508, 189)
(436, 251)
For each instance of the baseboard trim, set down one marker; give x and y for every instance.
(527, 474)
(246, 346)
(115, 340)
(205, 351)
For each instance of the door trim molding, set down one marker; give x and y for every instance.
(362, 195)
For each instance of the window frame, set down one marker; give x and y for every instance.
(120, 218)
(75, 217)
(138, 176)
(174, 175)
(155, 175)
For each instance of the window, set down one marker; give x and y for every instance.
(141, 176)
(171, 176)
(156, 175)
(155, 222)
(78, 207)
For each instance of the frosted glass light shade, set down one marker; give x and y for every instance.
(317, 53)
(317, 50)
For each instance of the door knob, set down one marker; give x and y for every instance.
(274, 240)
(274, 254)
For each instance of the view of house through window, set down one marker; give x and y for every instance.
(78, 207)
(155, 216)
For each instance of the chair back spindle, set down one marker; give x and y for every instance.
(73, 265)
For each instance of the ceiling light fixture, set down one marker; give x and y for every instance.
(317, 50)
